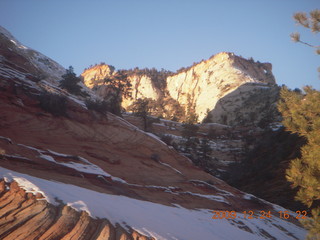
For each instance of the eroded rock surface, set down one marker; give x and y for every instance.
(24, 216)
(223, 85)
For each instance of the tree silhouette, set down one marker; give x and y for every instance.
(70, 82)
(120, 87)
(141, 108)
(120, 84)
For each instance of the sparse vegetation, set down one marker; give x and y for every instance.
(53, 103)
(112, 68)
(166, 108)
(269, 158)
(155, 157)
(167, 139)
(189, 130)
(212, 133)
(98, 106)
(113, 89)
(119, 84)
(70, 83)
(208, 117)
(205, 150)
(142, 108)
(157, 77)
(185, 69)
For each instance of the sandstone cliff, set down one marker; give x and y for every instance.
(209, 85)
(223, 85)
(143, 85)
(94, 75)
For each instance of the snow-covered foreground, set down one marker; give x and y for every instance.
(151, 219)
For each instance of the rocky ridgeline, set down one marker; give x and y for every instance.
(234, 90)
(28, 60)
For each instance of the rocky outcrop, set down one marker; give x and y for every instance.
(24, 216)
(210, 86)
(202, 86)
(29, 60)
(142, 85)
(94, 76)
(247, 105)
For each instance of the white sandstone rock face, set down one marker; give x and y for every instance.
(221, 85)
(142, 87)
(94, 76)
(203, 85)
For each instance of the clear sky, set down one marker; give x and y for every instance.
(167, 34)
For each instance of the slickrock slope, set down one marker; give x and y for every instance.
(224, 85)
(122, 182)
(28, 59)
(24, 216)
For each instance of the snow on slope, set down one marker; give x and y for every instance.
(85, 167)
(151, 219)
(50, 68)
(49, 71)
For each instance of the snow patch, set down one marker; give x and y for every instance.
(16, 156)
(169, 166)
(18, 45)
(151, 219)
(6, 139)
(48, 158)
(89, 167)
(211, 197)
(154, 137)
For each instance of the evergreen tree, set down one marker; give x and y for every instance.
(178, 112)
(311, 22)
(301, 115)
(208, 118)
(120, 84)
(70, 82)
(141, 108)
(189, 130)
(120, 87)
(205, 150)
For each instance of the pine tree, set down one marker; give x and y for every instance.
(70, 82)
(205, 150)
(120, 84)
(208, 118)
(141, 108)
(301, 115)
(120, 87)
(311, 22)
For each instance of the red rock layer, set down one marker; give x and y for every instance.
(24, 216)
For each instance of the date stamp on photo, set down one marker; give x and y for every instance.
(258, 214)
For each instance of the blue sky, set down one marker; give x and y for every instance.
(167, 34)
